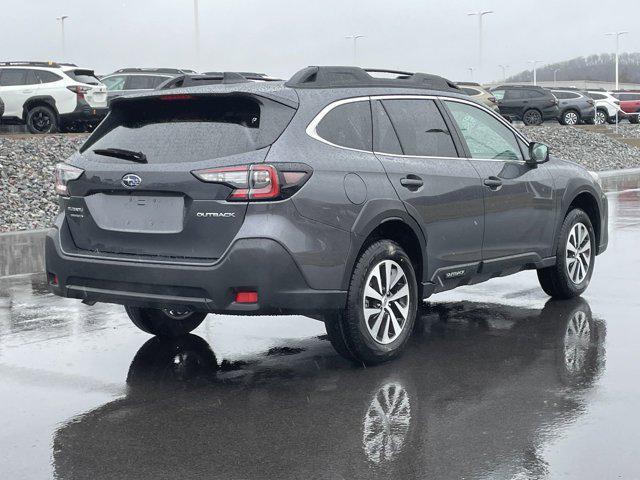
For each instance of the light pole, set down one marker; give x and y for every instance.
(555, 83)
(617, 35)
(355, 46)
(480, 14)
(504, 72)
(535, 63)
(471, 69)
(61, 19)
(196, 28)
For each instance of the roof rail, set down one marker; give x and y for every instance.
(26, 63)
(341, 77)
(173, 71)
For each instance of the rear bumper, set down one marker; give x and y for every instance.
(254, 264)
(85, 113)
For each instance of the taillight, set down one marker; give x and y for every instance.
(616, 102)
(590, 102)
(180, 96)
(64, 174)
(79, 90)
(493, 99)
(258, 182)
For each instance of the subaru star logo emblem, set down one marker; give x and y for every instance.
(131, 181)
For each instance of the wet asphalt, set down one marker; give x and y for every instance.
(498, 382)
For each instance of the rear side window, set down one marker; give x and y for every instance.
(597, 96)
(385, 139)
(470, 91)
(348, 125)
(45, 76)
(143, 82)
(561, 95)
(514, 95)
(115, 83)
(420, 128)
(10, 77)
(83, 76)
(190, 129)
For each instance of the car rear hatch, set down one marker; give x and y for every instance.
(93, 91)
(160, 208)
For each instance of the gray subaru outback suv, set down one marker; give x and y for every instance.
(339, 195)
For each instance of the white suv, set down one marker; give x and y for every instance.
(606, 107)
(48, 97)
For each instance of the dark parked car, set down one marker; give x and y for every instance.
(213, 78)
(575, 106)
(1, 109)
(135, 80)
(531, 104)
(339, 195)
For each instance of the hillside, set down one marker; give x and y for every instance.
(594, 67)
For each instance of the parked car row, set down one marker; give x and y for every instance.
(49, 97)
(570, 106)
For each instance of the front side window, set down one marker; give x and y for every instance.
(485, 135)
(420, 127)
(114, 83)
(348, 125)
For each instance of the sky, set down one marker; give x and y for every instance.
(279, 37)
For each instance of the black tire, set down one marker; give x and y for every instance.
(570, 117)
(556, 280)
(352, 339)
(612, 120)
(42, 119)
(335, 332)
(634, 119)
(602, 117)
(162, 323)
(532, 117)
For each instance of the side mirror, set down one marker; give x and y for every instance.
(538, 153)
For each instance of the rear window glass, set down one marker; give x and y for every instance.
(190, 129)
(83, 76)
(348, 125)
(470, 91)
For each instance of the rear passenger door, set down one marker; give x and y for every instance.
(518, 197)
(439, 189)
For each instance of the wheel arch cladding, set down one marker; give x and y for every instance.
(396, 225)
(586, 201)
(39, 101)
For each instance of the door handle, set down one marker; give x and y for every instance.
(412, 182)
(494, 183)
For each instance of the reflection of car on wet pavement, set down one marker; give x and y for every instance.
(494, 385)
(174, 226)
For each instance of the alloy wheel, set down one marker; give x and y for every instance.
(601, 118)
(385, 301)
(532, 118)
(571, 118)
(578, 253)
(576, 342)
(41, 121)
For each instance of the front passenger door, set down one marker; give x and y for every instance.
(518, 197)
(439, 189)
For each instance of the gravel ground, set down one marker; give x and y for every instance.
(594, 150)
(27, 199)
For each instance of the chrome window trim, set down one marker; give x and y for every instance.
(311, 128)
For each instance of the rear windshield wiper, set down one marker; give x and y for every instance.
(138, 157)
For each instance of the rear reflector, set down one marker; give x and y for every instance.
(247, 297)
